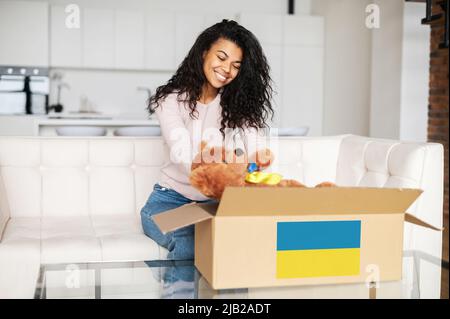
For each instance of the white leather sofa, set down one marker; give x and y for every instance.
(78, 199)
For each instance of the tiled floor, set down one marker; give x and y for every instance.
(444, 278)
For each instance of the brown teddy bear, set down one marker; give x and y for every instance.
(215, 168)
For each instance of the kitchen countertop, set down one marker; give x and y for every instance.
(97, 122)
(82, 119)
(45, 125)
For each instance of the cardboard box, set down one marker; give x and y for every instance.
(261, 237)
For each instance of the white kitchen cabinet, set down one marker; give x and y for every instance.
(268, 28)
(187, 28)
(129, 40)
(294, 48)
(303, 88)
(211, 19)
(124, 39)
(274, 55)
(160, 41)
(65, 41)
(24, 33)
(98, 38)
(303, 60)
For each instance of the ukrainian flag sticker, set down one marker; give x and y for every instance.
(318, 249)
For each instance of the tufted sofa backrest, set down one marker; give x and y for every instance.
(65, 176)
(310, 160)
(79, 176)
(369, 162)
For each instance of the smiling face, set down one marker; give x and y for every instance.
(221, 63)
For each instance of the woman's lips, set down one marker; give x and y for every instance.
(220, 77)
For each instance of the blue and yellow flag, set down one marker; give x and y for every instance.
(318, 249)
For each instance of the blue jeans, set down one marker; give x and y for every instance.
(179, 243)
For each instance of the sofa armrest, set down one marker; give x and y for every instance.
(431, 206)
(4, 207)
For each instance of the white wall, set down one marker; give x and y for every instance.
(386, 71)
(400, 72)
(415, 74)
(347, 66)
(376, 80)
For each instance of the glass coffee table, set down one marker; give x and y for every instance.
(147, 279)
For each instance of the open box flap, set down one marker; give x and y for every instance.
(268, 201)
(185, 215)
(416, 221)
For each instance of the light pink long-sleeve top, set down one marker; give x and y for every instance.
(183, 135)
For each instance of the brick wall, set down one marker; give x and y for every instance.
(438, 93)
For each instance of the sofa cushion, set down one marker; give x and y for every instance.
(112, 191)
(308, 160)
(74, 200)
(144, 179)
(20, 152)
(23, 182)
(122, 238)
(69, 240)
(19, 265)
(129, 246)
(64, 153)
(83, 239)
(19, 228)
(150, 155)
(73, 249)
(111, 153)
(96, 238)
(105, 225)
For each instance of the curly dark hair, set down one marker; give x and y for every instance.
(245, 101)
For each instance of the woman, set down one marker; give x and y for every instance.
(222, 83)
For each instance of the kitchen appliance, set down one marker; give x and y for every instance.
(23, 90)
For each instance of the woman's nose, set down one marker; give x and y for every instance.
(227, 67)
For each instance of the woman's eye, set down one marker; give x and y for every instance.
(237, 67)
(221, 58)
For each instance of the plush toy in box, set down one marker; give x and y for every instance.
(215, 168)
